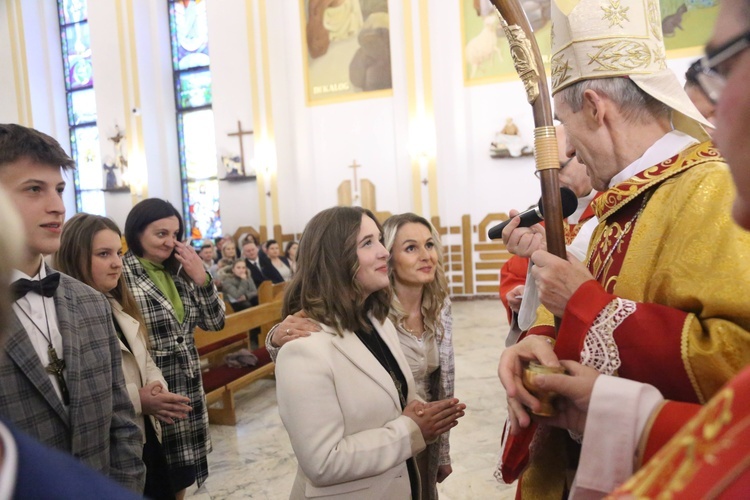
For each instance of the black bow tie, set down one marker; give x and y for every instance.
(45, 287)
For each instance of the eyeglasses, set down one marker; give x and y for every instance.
(705, 72)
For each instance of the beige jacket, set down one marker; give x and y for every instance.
(343, 416)
(137, 365)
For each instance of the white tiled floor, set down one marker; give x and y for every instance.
(255, 460)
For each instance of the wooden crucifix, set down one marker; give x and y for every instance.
(354, 166)
(239, 134)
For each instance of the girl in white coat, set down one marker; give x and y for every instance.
(346, 394)
(91, 252)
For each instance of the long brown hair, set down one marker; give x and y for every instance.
(74, 259)
(435, 292)
(324, 285)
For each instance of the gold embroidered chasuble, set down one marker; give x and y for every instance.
(666, 242)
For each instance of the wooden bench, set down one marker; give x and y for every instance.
(268, 291)
(220, 381)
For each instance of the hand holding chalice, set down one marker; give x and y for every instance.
(546, 398)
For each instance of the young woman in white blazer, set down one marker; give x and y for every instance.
(91, 252)
(346, 394)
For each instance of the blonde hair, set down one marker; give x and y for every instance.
(434, 293)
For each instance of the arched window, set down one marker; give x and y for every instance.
(81, 104)
(188, 27)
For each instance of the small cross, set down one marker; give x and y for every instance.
(56, 367)
(355, 166)
(239, 134)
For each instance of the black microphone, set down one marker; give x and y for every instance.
(535, 214)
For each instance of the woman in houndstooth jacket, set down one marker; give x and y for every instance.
(175, 294)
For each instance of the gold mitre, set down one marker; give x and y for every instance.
(611, 38)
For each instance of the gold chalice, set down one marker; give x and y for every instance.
(547, 398)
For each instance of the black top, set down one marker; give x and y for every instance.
(377, 346)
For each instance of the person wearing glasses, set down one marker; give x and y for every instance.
(707, 455)
(696, 94)
(650, 302)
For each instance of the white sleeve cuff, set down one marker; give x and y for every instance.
(618, 412)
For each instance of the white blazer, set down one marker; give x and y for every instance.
(137, 365)
(343, 416)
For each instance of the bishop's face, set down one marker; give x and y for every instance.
(588, 141)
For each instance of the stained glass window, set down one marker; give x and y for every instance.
(81, 102)
(188, 27)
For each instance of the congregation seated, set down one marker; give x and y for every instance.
(238, 288)
(215, 270)
(276, 267)
(226, 249)
(291, 254)
(206, 253)
(258, 265)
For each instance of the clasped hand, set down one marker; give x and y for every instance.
(436, 417)
(164, 405)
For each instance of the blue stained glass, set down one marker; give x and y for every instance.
(203, 209)
(194, 89)
(198, 144)
(72, 11)
(188, 28)
(77, 56)
(85, 145)
(81, 107)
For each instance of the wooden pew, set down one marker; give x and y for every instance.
(220, 381)
(269, 292)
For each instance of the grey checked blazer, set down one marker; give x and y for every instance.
(100, 429)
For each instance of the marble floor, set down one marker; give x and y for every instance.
(255, 460)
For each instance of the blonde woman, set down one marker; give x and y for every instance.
(421, 312)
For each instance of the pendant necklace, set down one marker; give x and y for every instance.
(56, 365)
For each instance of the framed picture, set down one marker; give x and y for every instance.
(346, 49)
(686, 25)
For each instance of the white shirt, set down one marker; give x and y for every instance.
(8, 464)
(669, 145)
(42, 312)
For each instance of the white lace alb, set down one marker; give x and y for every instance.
(599, 347)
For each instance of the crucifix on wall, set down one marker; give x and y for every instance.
(354, 166)
(239, 134)
(360, 192)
